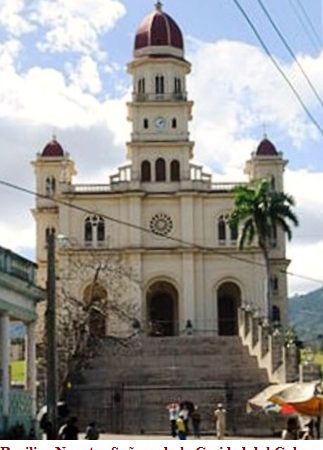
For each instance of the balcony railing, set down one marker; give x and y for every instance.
(17, 266)
(166, 97)
(87, 188)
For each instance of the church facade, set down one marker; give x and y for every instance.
(161, 217)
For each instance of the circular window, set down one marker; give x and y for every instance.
(161, 224)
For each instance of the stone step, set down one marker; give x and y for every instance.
(127, 387)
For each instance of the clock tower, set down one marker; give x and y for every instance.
(160, 148)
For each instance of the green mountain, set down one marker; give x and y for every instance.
(305, 314)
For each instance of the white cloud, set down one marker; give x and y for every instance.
(9, 51)
(307, 245)
(237, 91)
(13, 17)
(86, 75)
(76, 25)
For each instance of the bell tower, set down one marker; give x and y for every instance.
(159, 148)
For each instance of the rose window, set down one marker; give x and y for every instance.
(161, 224)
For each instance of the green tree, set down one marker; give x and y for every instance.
(259, 211)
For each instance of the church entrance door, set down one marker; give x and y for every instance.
(162, 309)
(229, 300)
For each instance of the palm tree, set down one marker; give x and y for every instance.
(258, 212)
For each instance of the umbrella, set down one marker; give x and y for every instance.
(305, 398)
(260, 402)
(284, 410)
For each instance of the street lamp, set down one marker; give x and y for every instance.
(51, 335)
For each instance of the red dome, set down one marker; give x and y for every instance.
(266, 148)
(53, 149)
(158, 29)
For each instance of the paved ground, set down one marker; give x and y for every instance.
(131, 437)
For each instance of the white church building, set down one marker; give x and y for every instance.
(161, 214)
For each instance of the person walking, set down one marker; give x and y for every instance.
(92, 432)
(185, 413)
(173, 411)
(69, 431)
(181, 428)
(220, 421)
(292, 429)
(196, 422)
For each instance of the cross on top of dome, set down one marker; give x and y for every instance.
(159, 6)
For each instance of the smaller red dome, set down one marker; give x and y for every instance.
(266, 148)
(53, 149)
(158, 29)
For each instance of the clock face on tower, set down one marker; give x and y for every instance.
(160, 123)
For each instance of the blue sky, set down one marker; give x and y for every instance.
(62, 69)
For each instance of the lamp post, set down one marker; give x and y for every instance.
(51, 335)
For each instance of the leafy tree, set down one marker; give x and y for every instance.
(258, 212)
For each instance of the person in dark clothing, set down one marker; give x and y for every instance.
(69, 431)
(92, 431)
(196, 421)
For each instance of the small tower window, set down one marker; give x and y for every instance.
(145, 171)
(273, 239)
(141, 86)
(49, 230)
(221, 230)
(177, 85)
(174, 170)
(174, 123)
(159, 84)
(274, 284)
(160, 170)
(146, 123)
(275, 314)
(50, 186)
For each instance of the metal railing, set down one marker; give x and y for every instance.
(165, 97)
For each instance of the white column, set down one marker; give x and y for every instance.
(30, 357)
(4, 365)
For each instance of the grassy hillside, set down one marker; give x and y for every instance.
(305, 314)
(17, 371)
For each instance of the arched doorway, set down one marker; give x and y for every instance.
(229, 300)
(162, 309)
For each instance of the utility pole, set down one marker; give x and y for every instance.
(51, 335)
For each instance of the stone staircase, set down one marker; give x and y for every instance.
(126, 388)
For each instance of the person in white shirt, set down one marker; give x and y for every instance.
(220, 419)
(173, 410)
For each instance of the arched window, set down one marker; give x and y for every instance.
(275, 313)
(159, 84)
(222, 230)
(160, 170)
(174, 170)
(101, 230)
(146, 123)
(88, 232)
(50, 186)
(145, 171)
(233, 233)
(94, 229)
(174, 123)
